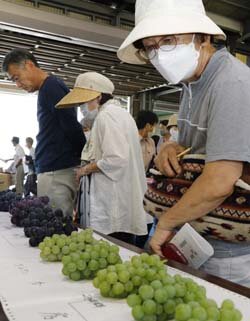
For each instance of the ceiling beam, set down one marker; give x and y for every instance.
(236, 4)
(226, 23)
(53, 26)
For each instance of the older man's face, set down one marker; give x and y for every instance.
(24, 76)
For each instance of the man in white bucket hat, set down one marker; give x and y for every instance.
(176, 38)
(118, 180)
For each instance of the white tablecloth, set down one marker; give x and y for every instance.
(33, 290)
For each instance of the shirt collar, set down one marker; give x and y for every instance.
(212, 66)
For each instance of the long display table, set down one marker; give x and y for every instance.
(33, 290)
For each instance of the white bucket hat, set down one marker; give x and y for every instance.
(88, 86)
(166, 17)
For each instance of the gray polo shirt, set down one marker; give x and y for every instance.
(215, 110)
(214, 120)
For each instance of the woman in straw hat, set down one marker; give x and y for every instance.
(115, 161)
(176, 37)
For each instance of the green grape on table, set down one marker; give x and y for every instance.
(213, 313)
(173, 298)
(156, 284)
(139, 271)
(169, 307)
(227, 304)
(183, 312)
(90, 261)
(137, 312)
(199, 313)
(161, 295)
(75, 276)
(149, 307)
(118, 289)
(61, 245)
(133, 299)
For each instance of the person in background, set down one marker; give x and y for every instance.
(179, 40)
(165, 135)
(118, 182)
(163, 129)
(30, 185)
(17, 165)
(60, 138)
(156, 139)
(172, 128)
(146, 122)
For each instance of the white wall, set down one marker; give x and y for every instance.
(17, 118)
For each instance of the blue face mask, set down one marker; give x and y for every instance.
(89, 115)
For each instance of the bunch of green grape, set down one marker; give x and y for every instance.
(180, 299)
(55, 247)
(119, 280)
(84, 265)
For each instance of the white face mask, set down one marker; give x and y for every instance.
(89, 115)
(84, 108)
(178, 64)
(174, 134)
(163, 131)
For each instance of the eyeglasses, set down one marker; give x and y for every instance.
(166, 43)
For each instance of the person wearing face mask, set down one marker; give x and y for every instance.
(118, 182)
(163, 129)
(177, 38)
(146, 122)
(89, 116)
(164, 134)
(173, 128)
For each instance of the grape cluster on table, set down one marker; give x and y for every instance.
(39, 220)
(120, 280)
(155, 295)
(81, 254)
(85, 265)
(7, 198)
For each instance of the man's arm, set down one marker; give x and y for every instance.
(72, 129)
(67, 118)
(6, 160)
(208, 191)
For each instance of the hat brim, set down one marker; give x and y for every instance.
(166, 25)
(76, 97)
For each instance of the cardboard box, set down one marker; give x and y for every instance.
(5, 181)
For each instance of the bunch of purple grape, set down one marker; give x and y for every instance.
(39, 220)
(21, 209)
(6, 198)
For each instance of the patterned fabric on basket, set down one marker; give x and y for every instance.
(229, 222)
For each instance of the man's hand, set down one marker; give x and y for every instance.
(159, 238)
(166, 161)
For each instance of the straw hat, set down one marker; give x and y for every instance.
(172, 121)
(166, 17)
(88, 86)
